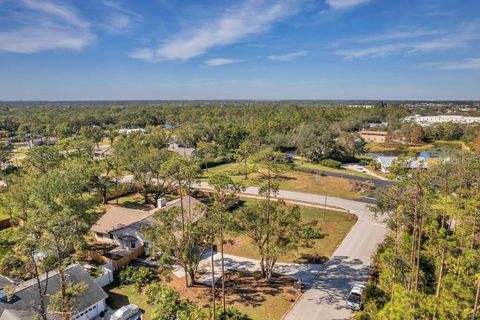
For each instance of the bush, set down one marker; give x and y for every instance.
(312, 233)
(330, 163)
(232, 314)
(139, 277)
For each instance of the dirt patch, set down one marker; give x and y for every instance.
(246, 292)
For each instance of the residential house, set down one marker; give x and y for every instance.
(122, 228)
(89, 305)
(44, 141)
(182, 150)
(386, 162)
(127, 131)
(103, 152)
(374, 136)
(5, 282)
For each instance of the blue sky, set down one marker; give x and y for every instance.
(243, 49)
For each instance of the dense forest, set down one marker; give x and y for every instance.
(315, 131)
(428, 267)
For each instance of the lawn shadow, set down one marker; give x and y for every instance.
(115, 300)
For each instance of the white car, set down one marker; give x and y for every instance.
(354, 299)
(360, 169)
(130, 312)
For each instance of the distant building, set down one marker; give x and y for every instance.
(127, 131)
(182, 150)
(89, 305)
(374, 136)
(378, 125)
(386, 162)
(366, 106)
(103, 152)
(430, 120)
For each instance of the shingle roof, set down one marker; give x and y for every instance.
(26, 294)
(198, 208)
(117, 218)
(4, 281)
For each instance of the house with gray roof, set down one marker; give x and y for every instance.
(21, 305)
(122, 227)
(386, 162)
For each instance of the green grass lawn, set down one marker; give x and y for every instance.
(334, 225)
(132, 201)
(122, 295)
(293, 181)
(316, 166)
(4, 214)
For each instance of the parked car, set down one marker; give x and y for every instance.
(354, 299)
(129, 312)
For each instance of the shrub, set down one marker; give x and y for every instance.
(139, 277)
(232, 314)
(312, 233)
(330, 163)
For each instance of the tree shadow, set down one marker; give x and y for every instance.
(249, 289)
(337, 277)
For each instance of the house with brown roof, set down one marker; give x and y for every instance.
(374, 136)
(121, 228)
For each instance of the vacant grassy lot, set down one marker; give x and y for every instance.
(316, 166)
(244, 291)
(334, 225)
(294, 181)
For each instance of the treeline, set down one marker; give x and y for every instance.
(428, 267)
(313, 130)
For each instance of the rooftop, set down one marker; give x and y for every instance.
(118, 218)
(26, 294)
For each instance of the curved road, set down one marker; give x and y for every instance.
(330, 284)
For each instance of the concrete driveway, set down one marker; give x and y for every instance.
(331, 282)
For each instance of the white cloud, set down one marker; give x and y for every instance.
(220, 62)
(289, 56)
(467, 64)
(55, 10)
(345, 4)
(143, 54)
(453, 40)
(251, 18)
(30, 40)
(396, 35)
(45, 25)
(119, 20)
(118, 23)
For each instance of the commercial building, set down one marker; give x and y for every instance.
(431, 120)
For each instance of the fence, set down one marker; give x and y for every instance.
(107, 275)
(120, 263)
(132, 255)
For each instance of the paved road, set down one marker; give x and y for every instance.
(379, 183)
(331, 283)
